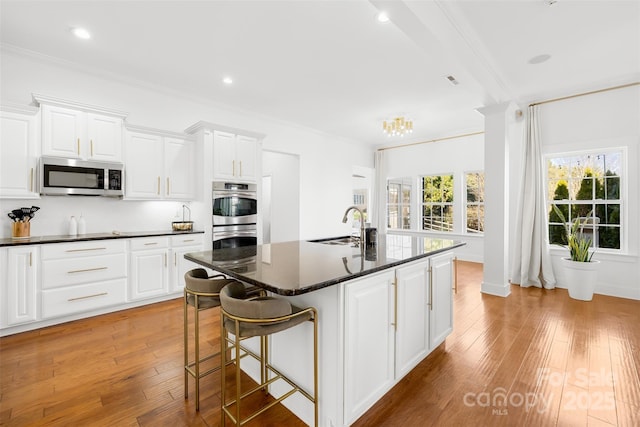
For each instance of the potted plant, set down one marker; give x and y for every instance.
(581, 269)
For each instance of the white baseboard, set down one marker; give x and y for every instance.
(495, 289)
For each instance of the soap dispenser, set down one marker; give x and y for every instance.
(82, 225)
(73, 226)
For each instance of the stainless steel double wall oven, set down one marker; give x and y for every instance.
(235, 214)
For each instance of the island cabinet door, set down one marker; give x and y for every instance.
(412, 326)
(369, 342)
(441, 297)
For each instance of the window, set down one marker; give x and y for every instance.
(437, 203)
(587, 186)
(399, 203)
(475, 202)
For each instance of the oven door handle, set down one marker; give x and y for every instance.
(218, 195)
(223, 235)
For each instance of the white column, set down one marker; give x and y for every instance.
(497, 122)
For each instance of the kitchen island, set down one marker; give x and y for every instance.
(381, 310)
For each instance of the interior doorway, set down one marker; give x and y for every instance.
(280, 197)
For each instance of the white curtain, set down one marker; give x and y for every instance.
(531, 261)
(380, 194)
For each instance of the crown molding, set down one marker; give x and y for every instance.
(196, 127)
(59, 102)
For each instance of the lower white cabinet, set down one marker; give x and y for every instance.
(82, 276)
(149, 267)
(21, 275)
(368, 341)
(392, 321)
(181, 245)
(441, 313)
(412, 308)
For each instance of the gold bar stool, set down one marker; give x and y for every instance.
(260, 316)
(200, 292)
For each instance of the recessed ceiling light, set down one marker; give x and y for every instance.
(382, 17)
(539, 59)
(227, 80)
(81, 33)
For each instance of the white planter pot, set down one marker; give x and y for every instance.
(581, 278)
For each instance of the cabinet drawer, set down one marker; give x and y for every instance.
(186, 240)
(75, 299)
(145, 243)
(65, 272)
(83, 249)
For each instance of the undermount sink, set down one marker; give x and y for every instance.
(345, 240)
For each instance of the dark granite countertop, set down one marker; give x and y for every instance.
(297, 267)
(40, 240)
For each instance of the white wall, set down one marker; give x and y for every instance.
(600, 121)
(456, 156)
(325, 161)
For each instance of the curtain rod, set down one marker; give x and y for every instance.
(585, 93)
(431, 140)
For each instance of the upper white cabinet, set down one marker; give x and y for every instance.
(18, 154)
(234, 156)
(80, 131)
(159, 166)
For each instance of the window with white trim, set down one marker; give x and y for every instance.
(399, 203)
(475, 202)
(437, 202)
(587, 186)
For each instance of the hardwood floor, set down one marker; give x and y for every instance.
(535, 358)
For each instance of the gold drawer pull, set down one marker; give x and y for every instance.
(78, 146)
(86, 270)
(188, 240)
(88, 296)
(168, 187)
(151, 243)
(88, 249)
(31, 181)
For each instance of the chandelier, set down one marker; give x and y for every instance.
(397, 127)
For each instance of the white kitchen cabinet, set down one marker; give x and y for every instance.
(181, 245)
(83, 276)
(149, 267)
(159, 167)
(368, 341)
(18, 154)
(80, 131)
(412, 325)
(143, 166)
(234, 157)
(20, 288)
(179, 168)
(441, 297)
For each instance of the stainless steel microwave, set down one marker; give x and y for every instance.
(61, 176)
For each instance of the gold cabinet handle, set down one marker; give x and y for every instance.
(233, 167)
(395, 303)
(86, 249)
(88, 296)
(165, 259)
(240, 167)
(87, 270)
(151, 243)
(78, 146)
(168, 190)
(158, 186)
(91, 143)
(31, 180)
(175, 259)
(430, 288)
(30, 259)
(455, 275)
(188, 240)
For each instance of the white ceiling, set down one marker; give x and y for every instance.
(331, 66)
